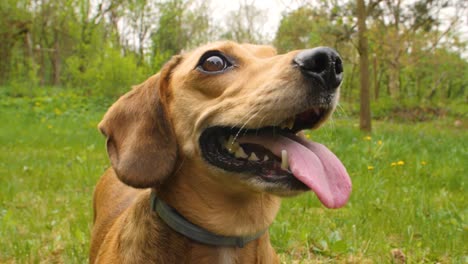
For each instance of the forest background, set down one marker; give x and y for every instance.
(416, 49)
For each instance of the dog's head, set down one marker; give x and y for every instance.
(236, 110)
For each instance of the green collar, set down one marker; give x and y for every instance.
(181, 225)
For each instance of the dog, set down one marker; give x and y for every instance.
(203, 151)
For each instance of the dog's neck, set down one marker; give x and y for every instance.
(207, 203)
(145, 238)
(219, 207)
(181, 225)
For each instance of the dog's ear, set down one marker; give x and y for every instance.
(140, 139)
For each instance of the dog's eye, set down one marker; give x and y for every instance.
(214, 62)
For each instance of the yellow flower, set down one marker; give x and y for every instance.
(379, 142)
(38, 103)
(367, 138)
(423, 163)
(370, 167)
(400, 163)
(394, 164)
(308, 136)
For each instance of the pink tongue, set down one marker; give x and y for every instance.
(311, 163)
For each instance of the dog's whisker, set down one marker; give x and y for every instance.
(341, 109)
(276, 121)
(259, 126)
(245, 116)
(246, 122)
(261, 121)
(332, 122)
(331, 127)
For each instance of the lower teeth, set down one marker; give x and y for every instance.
(234, 148)
(240, 153)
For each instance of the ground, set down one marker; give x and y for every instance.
(408, 201)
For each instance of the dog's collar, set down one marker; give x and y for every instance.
(181, 225)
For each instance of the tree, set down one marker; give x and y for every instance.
(365, 113)
(140, 15)
(401, 29)
(245, 24)
(415, 47)
(15, 28)
(322, 24)
(296, 29)
(181, 24)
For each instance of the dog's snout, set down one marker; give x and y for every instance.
(322, 63)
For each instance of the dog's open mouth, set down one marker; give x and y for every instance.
(277, 154)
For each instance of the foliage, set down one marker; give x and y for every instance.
(179, 28)
(412, 55)
(415, 48)
(296, 30)
(106, 74)
(311, 26)
(408, 189)
(75, 42)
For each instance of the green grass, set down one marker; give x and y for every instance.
(408, 194)
(408, 188)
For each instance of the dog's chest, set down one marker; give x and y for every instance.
(227, 256)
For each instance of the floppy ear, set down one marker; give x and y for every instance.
(140, 139)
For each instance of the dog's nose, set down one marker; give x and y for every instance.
(322, 63)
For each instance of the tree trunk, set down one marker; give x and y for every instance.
(29, 45)
(5, 55)
(396, 44)
(376, 79)
(365, 114)
(56, 67)
(394, 78)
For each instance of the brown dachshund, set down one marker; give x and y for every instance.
(202, 152)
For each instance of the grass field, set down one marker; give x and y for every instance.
(409, 188)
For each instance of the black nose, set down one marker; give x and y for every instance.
(323, 64)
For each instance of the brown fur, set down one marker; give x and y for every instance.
(152, 140)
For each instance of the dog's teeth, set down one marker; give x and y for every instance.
(284, 160)
(231, 145)
(235, 146)
(228, 147)
(266, 158)
(240, 153)
(288, 123)
(230, 142)
(253, 157)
